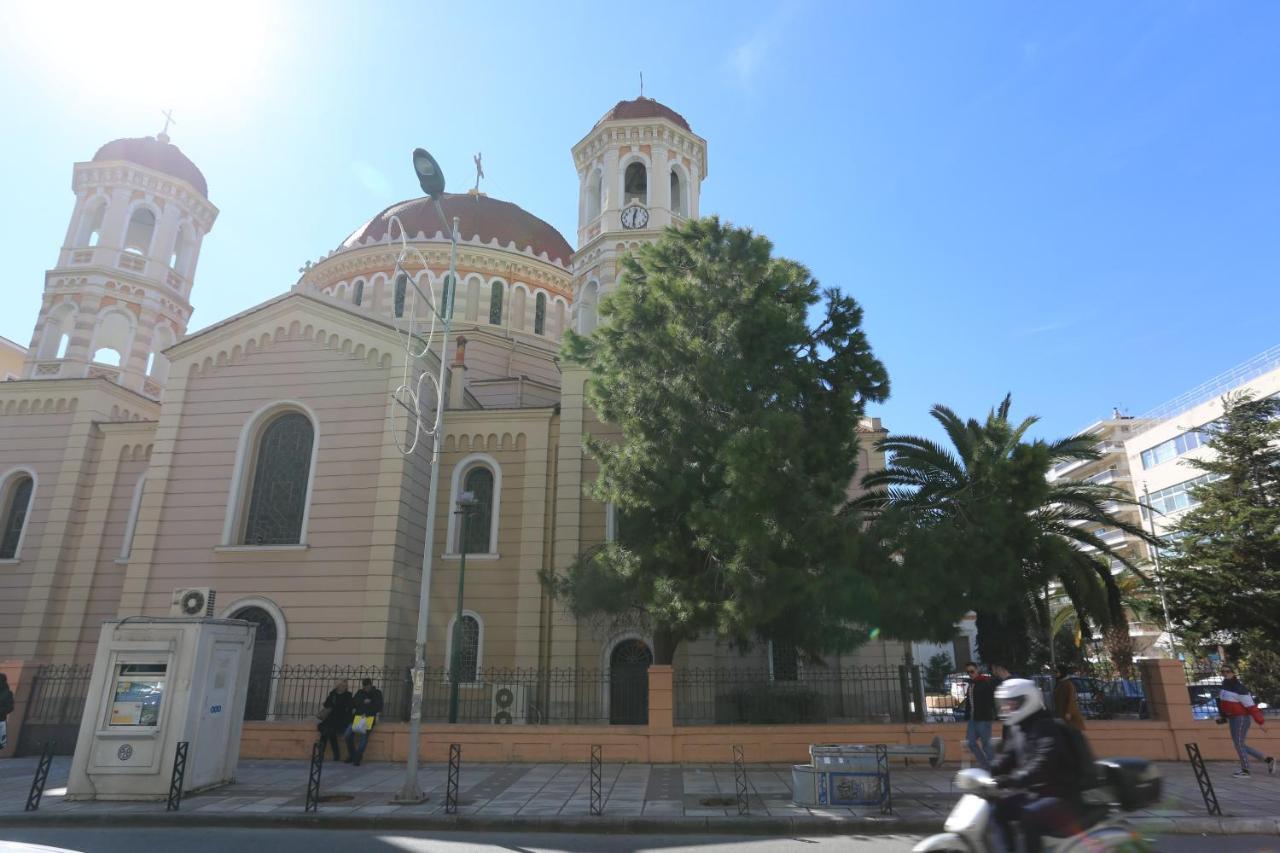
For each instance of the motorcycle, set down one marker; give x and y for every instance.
(1125, 785)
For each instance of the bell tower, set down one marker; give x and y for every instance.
(640, 169)
(120, 293)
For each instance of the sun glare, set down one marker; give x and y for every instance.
(209, 57)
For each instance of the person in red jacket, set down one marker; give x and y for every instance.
(1237, 708)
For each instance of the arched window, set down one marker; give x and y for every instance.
(91, 224)
(181, 257)
(126, 546)
(540, 314)
(495, 303)
(559, 313)
(157, 362)
(480, 475)
(142, 227)
(258, 700)
(472, 313)
(466, 636)
(678, 205)
(357, 296)
(635, 184)
(595, 195)
(587, 308)
(476, 524)
(15, 504)
(277, 499)
(113, 339)
(518, 297)
(401, 290)
(57, 332)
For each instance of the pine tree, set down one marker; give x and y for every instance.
(1222, 574)
(738, 441)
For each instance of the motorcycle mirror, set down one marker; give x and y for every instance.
(970, 780)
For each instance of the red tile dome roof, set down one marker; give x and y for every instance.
(643, 107)
(479, 217)
(158, 154)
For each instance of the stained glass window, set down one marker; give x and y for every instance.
(495, 304)
(402, 285)
(479, 520)
(540, 314)
(281, 473)
(468, 640)
(16, 518)
(359, 295)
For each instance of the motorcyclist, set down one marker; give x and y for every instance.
(1036, 758)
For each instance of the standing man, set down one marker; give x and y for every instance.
(980, 703)
(366, 703)
(1236, 707)
(335, 718)
(1066, 702)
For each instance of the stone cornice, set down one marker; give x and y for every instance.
(140, 291)
(639, 132)
(107, 173)
(44, 396)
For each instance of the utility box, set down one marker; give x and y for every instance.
(157, 682)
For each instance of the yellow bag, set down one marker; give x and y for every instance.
(362, 723)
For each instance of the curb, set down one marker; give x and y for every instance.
(632, 825)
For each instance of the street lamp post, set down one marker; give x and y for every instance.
(431, 179)
(467, 504)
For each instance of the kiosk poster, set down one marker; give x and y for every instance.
(139, 691)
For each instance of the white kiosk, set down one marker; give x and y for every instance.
(157, 682)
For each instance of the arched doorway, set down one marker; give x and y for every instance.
(629, 682)
(258, 702)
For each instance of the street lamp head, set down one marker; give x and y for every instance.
(430, 176)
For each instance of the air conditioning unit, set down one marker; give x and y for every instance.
(197, 601)
(510, 704)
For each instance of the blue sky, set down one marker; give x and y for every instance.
(1078, 203)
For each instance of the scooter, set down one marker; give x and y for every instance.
(1126, 784)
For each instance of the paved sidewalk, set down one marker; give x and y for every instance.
(637, 797)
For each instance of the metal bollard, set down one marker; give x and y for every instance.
(882, 774)
(451, 783)
(740, 780)
(41, 777)
(313, 780)
(597, 807)
(179, 772)
(1202, 779)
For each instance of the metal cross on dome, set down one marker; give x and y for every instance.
(479, 169)
(168, 119)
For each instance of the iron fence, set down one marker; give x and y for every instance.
(864, 694)
(58, 693)
(496, 695)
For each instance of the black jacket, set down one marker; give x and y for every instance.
(367, 701)
(339, 716)
(1035, 756)
(980, 700)
(6, 703)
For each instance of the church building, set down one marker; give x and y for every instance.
(247, 469)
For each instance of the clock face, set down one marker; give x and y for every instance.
(635, 217)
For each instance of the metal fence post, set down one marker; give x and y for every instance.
(451, 782)
(42, 776)
(740, 780)
(1202, 779)
(313, 780)
(882, 776)
(179, 772)
(597, 807)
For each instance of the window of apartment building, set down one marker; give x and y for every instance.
(1176, 497)
(1174, 447)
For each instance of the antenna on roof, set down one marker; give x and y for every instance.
(642, 84)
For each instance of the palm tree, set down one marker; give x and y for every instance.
(987, 504)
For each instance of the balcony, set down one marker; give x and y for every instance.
(1103, 478)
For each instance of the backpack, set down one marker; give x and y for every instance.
(1082, 764)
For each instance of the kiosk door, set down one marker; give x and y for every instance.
(210, 748)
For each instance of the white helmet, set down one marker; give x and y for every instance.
(1017, 699)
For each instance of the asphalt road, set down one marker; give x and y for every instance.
(311, 841)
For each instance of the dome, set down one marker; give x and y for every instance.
(155, 153)
(643, 107)
(479, 218)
